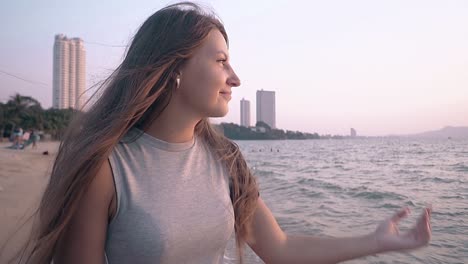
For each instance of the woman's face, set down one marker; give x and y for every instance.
(207, 78)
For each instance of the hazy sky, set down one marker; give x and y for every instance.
(382, 67)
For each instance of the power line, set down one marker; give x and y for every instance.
(46, 85)
(23, 79)
(105, 45)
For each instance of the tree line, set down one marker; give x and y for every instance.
(262, 131)
(27, 113)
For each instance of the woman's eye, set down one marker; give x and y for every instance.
(222, 60)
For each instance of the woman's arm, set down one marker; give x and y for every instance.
(274, 246)
(85, 238)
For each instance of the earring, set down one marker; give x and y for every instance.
(178, 82)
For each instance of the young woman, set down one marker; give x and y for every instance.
(142, 177)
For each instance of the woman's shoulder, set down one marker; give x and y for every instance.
(87, 229)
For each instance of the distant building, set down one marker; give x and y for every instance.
(258, 129)
(353, 132)
(245, 113)
(69, 70)
(266, 107)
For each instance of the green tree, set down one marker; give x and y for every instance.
(27, 113)
(22, 111)
(56, 121)
(263, 124)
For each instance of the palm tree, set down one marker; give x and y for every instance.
(2, 119)
(27, 113)
(24, 111)
(25, 101)
(57, 120)
(8, 118)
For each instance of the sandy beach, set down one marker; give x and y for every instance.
(23, 177)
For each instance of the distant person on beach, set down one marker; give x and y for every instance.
(143, 177)
(17, 137)
(26, 136)
(14, 136)
(35, 138)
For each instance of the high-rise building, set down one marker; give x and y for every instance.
(245, 113)
(69, 70)
(353, 132)
(266, 107)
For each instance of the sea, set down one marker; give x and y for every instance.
(346, 187)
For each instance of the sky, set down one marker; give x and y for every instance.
(381, 67)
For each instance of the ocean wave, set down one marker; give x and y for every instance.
(263, 173)
(460, 167)
(406, 171)
(341, 167)
(375, 195)
(451, 214)
(390, 206)
(448, 197)
(308, 169)
(318, 183)
(438, 180)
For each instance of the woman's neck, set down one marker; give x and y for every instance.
(173, 126)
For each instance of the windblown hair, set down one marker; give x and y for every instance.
(134, 95)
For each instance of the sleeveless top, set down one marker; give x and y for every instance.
(173, 203)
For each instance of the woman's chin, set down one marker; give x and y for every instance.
(219, 112)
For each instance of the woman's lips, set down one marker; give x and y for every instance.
(226, 95)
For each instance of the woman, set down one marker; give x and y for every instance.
(142, 177)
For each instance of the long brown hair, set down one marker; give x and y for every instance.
(135, 95)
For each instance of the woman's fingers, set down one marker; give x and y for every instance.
(421, 233)
(427, 218)
(400, 214)
(429, 212)
(416, 237)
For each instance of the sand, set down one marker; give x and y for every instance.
(23, 177)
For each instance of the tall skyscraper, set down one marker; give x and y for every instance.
(69, 69)
(353, 132)
(245, 113)
(266, 107)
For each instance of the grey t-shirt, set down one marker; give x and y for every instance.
(173, 203)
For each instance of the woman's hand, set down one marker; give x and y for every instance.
(388, 236)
